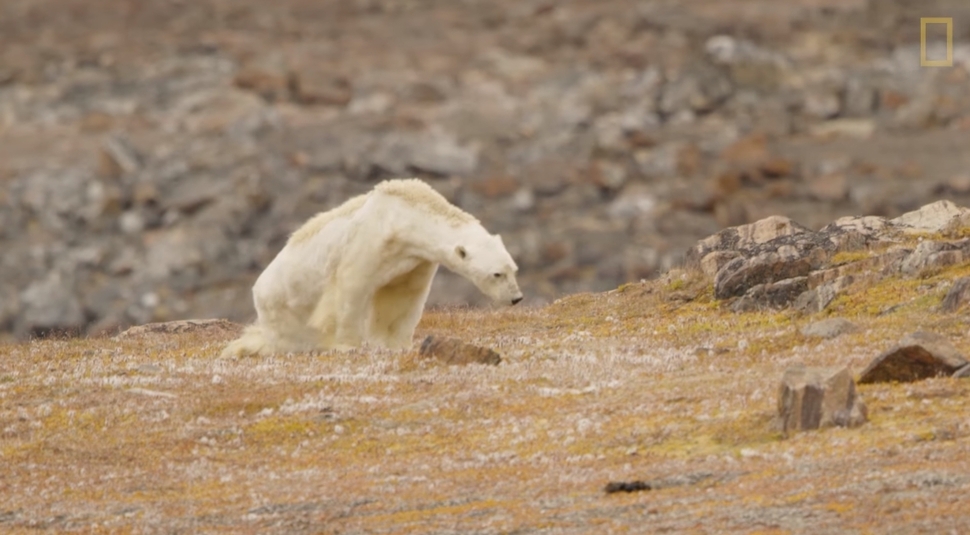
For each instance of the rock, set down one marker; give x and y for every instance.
(829, 328)
(957, 296)
(816, 398)
(744, 237)
(833, 187)
(51, 305)
(817, 299)
(267, 76)
(118, 157)
(962, 373)
(919, 355)
(848, 128)
(701, 89)
(432, 152)
(773, 295)
(453, 351)
(934, 217)
(714, 261)
(822, 104)
(217, 328)
(496, 186)
(319, 86)
(740, 275)
(935, 254)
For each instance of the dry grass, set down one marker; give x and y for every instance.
(650, 381)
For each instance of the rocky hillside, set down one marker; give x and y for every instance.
(154, 155)
(706, 400)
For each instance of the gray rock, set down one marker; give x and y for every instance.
(740, 275)
(935, 254)
(51, 304)
(744, 237)
(962, 373)
(933, 217)
(919, 355)
(816, 398)
(773, 295)
(957, 296)
(829, 328)
(817, 299)
(701, 89)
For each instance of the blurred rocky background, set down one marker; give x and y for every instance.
(155, 154)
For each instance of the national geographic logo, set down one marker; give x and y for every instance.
(924, 61)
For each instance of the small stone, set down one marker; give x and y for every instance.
(829, 328)
(920, 355)
(957, 296)
(816, 398)
(453, 351)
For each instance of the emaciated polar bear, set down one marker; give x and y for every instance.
(361, 272)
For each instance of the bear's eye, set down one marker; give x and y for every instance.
(497, 275)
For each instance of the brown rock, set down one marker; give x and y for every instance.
(268, 81)
(453, 351)
(920, 355)
(496, 186)
(777, 167)
(816, 398)
(747, 152)
(319, 86)
(832, 187)
(957, 296)
(218, 327)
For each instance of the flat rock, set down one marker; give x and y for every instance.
(829, 328)
(453, 351)
(815, 398)
(219, 327)
(919, 355)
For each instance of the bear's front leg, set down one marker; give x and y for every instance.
(351, 313)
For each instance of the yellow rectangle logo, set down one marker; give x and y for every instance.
(923, 60)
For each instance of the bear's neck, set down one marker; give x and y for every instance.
(437, 244)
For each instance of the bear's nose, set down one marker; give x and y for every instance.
(515, 300)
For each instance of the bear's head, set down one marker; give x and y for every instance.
(485, 261)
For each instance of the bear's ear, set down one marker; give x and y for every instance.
(460, 251)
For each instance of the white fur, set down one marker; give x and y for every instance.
(361, 273)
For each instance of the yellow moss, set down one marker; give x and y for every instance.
(847, 257)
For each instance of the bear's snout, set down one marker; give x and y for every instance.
(515, 300)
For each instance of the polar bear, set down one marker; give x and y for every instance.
(361, 272)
